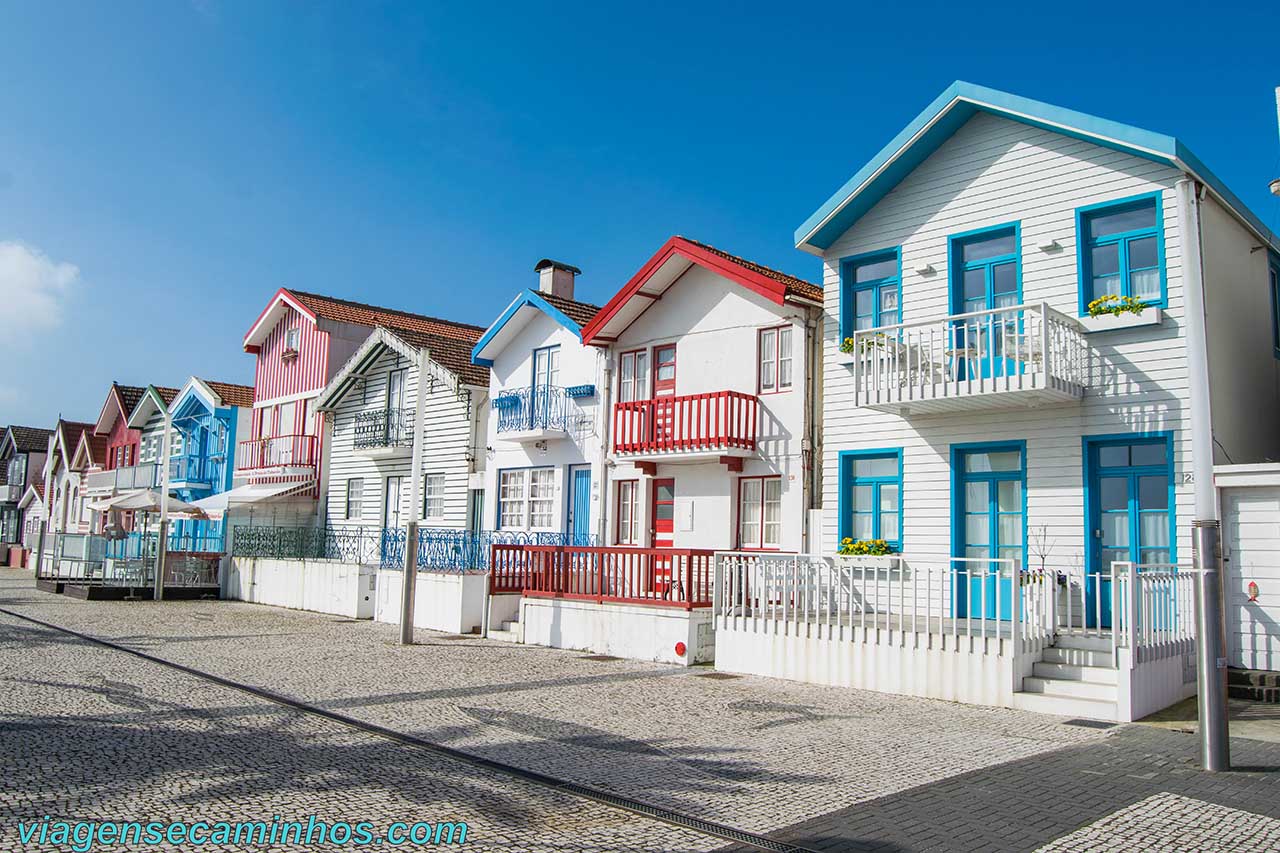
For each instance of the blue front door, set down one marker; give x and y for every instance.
(1130, 514)
(989, 524)
(580, 507)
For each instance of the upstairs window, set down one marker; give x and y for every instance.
(1121, 251)
(291, 337)
(870, 291)
(633, 376)
(775, 360)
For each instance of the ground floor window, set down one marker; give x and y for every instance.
(628, 532)
(526, 499)
(433, 496)
(871, 496)
(760, 512)
(355, 497)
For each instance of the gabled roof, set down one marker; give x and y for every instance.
(448, 360)
(231, 394)
(25, 439)
(154, 399)
(315, 307)
(120, 402)
(67, 435)
(955, 106)
(214, 395)
(91, 449)
(568, 313)
(673, 260)
(33, 494)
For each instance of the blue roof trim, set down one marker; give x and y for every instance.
(955, 106)
(529, 298)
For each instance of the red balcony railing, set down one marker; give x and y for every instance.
(716, 421)
(670, 577)
(281, 451)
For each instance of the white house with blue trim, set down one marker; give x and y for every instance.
(1016, 451)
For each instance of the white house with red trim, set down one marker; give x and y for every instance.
(1034, 462)
(706, 432)
(713, 426)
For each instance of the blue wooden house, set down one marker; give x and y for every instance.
(206, 419)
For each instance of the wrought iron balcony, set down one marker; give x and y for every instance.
(384, 429)
(535, 412)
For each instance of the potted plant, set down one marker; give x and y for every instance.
(1113, 311)
(878, 549)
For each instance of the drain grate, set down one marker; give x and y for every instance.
(1090, 724)
(718, 676)
(600, 657)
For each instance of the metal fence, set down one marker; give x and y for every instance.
(439, 549)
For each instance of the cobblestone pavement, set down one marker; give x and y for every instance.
(820, 767)
(754, 753)
(1171, 822)
(92, 734)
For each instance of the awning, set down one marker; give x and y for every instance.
(216, 506)
(145, 500)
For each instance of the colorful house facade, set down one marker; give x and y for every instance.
(22, 455)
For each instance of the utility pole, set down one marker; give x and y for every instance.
(1275, 185)
(1211, 660)
(409, 580)
(162, 543)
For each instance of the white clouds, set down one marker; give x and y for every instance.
(33, 287)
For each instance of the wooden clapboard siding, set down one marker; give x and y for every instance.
(995, 171)
(447, 443)
(277, 376)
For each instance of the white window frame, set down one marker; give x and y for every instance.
(754, 514)
(433, 486)
(355, 496)
(526, 496)
(633, 376)
(512, 499)
(292, 338)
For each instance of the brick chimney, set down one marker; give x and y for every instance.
(556, 278)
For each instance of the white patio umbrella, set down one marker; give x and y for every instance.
(149, 500)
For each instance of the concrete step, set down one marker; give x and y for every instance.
(505, 636)
(1073, 689)
(1254, 693)
(510, 625)
(1075, 672)
(1253, 678)
(1078, 657)
(1083, 641)
(1067, 706)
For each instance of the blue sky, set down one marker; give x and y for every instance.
(165, 166)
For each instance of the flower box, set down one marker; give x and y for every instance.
(1150, 316)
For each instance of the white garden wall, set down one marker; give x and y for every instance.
(628, 631)
(323, 586)
(443, 601)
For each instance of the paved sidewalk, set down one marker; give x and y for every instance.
(823, 768)
(755, 753)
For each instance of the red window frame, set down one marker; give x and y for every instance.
(653, 369)
(635, 511)
(778, 387)
(737, 534)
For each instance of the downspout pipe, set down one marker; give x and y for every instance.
(1211, 658)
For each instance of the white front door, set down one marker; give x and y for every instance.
(391, 502)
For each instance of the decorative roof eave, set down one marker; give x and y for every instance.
(492, 341)
(142, 413)
(955, 106)
(679, 250)
(196, 387)
(105, 421)
(271, 315)
(30, 496)
(83, 455)
(380, 340)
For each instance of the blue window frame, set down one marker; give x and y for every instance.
(871, 495)
(1273, 276)
(986, 269)
(1121, 250)
(988, 522)
(870, 291)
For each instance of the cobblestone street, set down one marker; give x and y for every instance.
(89, 731)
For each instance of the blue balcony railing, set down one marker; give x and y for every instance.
(439, 549)
(543, 407)
(190, 469)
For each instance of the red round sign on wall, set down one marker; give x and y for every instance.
(680, 649)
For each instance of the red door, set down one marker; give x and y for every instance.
(663, 513)
(664, 387)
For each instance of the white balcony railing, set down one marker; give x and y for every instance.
(1008, 356)
(122, 479)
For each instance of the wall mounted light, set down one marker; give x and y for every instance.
(1051, 246)
(927, 269)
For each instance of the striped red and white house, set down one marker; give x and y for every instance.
(301, 340)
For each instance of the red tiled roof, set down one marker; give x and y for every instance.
(71, 431)
(129, 396)
(232, 394)
(795, 286)
(167, 394)
(451, 353)
(579, 312)
(97, 448)
(38, 485)
(345, 311)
